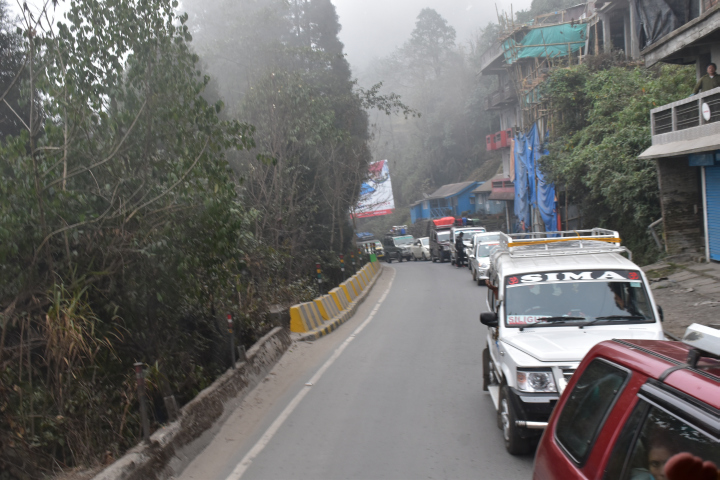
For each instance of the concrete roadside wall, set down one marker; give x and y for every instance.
(172, 447)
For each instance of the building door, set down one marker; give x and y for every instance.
(712, 189)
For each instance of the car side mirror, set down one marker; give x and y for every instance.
(489, 319)
(662, 315)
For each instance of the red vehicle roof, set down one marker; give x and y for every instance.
(444, 222)
(654, 357)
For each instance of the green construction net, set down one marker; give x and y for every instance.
(544, 42)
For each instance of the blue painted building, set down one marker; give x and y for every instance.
(449, 200)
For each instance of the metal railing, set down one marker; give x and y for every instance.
(692, 112)
(571, 242)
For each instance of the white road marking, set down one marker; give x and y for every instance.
(245, 463)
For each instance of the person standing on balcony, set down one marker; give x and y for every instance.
(709, 81)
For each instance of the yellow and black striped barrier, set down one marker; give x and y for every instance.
(325, 314)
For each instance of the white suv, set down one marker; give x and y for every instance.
(550, 300)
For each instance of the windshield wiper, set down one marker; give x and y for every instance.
(614, 317)
(550, 320)
(560, 319)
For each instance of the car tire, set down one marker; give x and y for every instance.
(515, 444)
(486, 368)
(474, 274)
(480, 282)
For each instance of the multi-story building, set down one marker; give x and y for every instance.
(686, 133)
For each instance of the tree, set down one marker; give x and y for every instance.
(12, 76)
(446, 144)
(601, 125)
(431, 42)
(120, 230)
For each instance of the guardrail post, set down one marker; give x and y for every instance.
(140, 376)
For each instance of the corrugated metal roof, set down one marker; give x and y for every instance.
(502, 195)
(450, 189)
(487, 186)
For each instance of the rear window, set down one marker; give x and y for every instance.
(404, 240)
(587, 407)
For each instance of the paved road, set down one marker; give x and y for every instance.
(403, 399)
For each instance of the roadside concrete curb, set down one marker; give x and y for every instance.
(171, 448)
(344, 316)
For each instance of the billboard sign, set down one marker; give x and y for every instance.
(376, 196)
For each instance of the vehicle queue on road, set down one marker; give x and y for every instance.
(576, 360)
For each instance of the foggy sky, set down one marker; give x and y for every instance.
(374, 28)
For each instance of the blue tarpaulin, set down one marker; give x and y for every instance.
(522, 198)
(528, 151)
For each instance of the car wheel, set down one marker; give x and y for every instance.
(486, 368)
(474, 273)
(480, 282)
(514, 443)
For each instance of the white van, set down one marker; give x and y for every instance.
(550, 300)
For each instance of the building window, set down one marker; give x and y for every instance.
(426, 205)
(472, 200)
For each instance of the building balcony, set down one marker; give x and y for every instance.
(500, 98)
(491, 59)
(690, 125)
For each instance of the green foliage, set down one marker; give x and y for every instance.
(601, 125)
(133, 216)
(122, 237)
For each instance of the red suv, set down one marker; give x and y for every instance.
(635, 410)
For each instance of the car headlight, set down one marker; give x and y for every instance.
(484, 265)
(536, 381)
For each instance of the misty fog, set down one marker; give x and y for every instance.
(374, 28)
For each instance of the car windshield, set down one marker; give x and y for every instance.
(485, 249)
(443, 236)
(618, 297)
(469, 232)
(404, 240)
(425, 241)
(487, 238)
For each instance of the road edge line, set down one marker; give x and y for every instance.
(260, 445)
